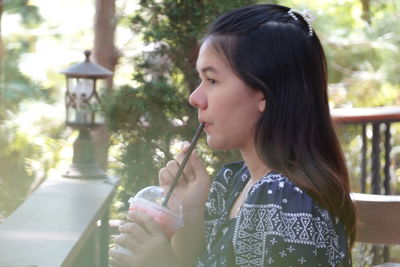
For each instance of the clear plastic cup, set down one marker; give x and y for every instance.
(149, 200)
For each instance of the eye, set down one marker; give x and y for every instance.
(212, 81)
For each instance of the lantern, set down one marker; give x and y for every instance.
(83, 113)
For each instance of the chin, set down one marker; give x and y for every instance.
(216, 144)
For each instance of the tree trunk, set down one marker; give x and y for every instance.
(105, 54)
(366, 15)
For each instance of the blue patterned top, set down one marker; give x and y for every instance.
(278, 225)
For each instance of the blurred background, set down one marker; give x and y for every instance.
(151, 46)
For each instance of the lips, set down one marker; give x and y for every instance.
(201, 120)
(206, 124)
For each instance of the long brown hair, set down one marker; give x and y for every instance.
(275, 53)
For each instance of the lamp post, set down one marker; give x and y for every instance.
(83, 113)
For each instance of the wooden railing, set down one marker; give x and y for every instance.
(63, 223)
(376, 117)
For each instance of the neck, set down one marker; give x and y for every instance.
(256, 166)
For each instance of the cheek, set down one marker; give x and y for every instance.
(241, 108)
(234, 103)
(236, 121)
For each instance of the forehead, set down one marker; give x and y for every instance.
(210, 59)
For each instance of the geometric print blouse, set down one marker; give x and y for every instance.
(278, 225)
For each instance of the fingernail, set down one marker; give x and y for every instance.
(185, 145)
(130, 216)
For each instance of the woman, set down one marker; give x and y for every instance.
(263, 91)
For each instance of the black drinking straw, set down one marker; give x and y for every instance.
(183, 164)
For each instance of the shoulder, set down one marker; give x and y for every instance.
(277, 189)
(283, 199)
(226, 179)
(228, 171)
(221, 189)
(287, 218)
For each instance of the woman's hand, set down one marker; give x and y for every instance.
(194, 183)
(144, 237)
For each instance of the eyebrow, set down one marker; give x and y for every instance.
(209, 69)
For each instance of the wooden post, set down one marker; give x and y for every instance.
(386, 169)
(364, 158)
(375, 168)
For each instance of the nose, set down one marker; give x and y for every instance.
(198, 98)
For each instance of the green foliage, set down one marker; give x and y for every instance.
(363, 57)
(29, 129)
(16, 86)
(29, 149)
(29, 13)
(178, 25)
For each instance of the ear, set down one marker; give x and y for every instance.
(261, 102)
(261, 105)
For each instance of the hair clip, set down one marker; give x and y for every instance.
(306, 15)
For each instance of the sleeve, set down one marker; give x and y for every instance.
(280, 225)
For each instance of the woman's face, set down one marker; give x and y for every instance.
(228, 106)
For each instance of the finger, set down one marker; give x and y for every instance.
(115, 263)
(164, 177)
(195, 162)
(119, 259)
(133, 229)
(127, 241)
(185, 146)
(188, 171)
(146, 222)
(173, 168)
